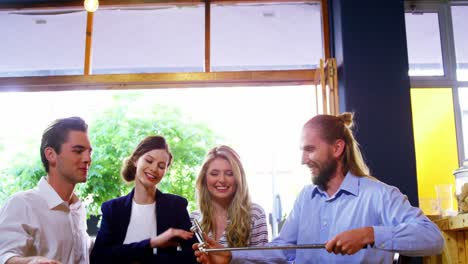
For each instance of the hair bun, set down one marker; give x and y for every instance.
(347, 118)
(127, 161)
(128, 170)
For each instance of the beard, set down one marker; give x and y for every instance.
(325, 173)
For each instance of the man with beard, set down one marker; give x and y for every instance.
(357, 217)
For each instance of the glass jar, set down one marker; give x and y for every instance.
(461, 184)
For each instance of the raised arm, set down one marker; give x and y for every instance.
(402, 228)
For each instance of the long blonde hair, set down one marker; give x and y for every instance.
(239, 227)
(332, 128)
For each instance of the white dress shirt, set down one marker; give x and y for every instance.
(38, 222)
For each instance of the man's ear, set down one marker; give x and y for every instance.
(50, 155)
(338, 148)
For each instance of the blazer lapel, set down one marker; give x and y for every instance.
(162, 221)
(125, 214)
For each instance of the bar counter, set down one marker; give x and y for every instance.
(455, 232)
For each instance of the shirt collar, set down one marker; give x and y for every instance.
(49, 194)
(350, 185)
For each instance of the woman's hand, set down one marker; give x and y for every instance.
(169, 238)
(219, 257)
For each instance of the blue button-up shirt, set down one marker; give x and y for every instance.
(359, 202)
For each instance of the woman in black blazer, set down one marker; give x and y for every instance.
(145, 226)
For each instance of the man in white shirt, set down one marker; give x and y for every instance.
(47, 224)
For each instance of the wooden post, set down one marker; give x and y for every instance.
(207, 36)
(88, 47)
(332, 78)
(317, 91)
(324, 87)
(326, 29)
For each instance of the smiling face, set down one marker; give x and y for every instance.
(317, 154)
(151, 167)
(220, 180)
(72, 162)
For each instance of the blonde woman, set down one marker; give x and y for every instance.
(226, 212)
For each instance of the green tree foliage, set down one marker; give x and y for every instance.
(21, 170)
(114, 133)
(21, 174)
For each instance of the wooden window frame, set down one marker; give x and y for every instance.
(88, 81)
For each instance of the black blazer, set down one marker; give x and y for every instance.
(171, 211)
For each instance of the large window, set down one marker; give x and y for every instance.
(162, 38)
(438, 64)
(246, 75)
(265, 134)
(437, 58)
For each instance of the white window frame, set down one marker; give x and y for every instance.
(449, 79)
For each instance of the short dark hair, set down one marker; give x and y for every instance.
(57, 133)
(149, 143)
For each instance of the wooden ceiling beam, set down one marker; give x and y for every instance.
(156, 80)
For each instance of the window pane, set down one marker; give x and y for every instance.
(435, 143)
(266, 136)
(266, 36)
(463, 97)
(39, 44)
(424, 48)
(163, 39)
(460, 21)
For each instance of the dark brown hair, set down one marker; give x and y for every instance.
(57, 133)
(149, 143)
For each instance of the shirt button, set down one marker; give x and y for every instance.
(382, 245)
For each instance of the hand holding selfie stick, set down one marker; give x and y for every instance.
(201, 246)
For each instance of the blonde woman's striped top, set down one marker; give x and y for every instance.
(259, 233)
